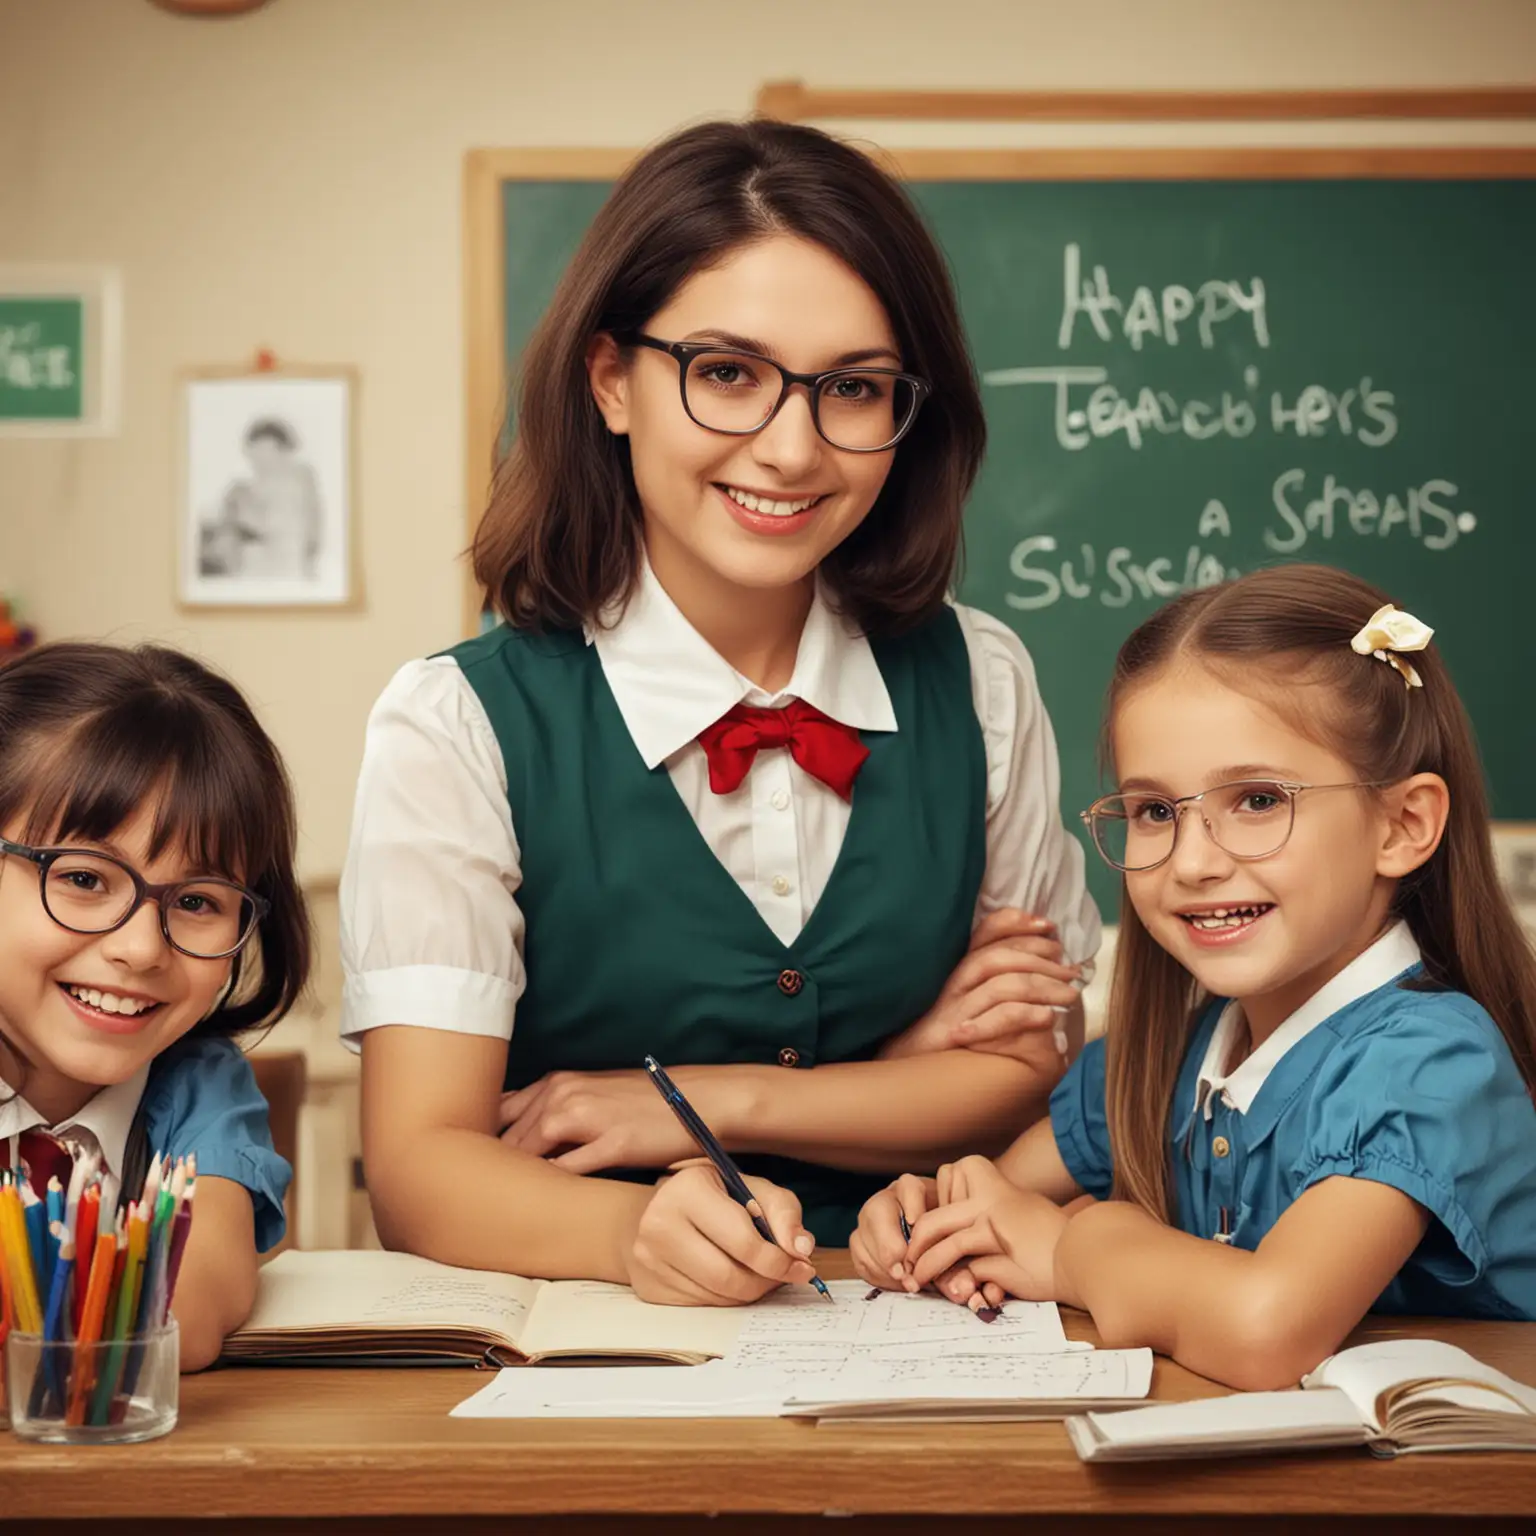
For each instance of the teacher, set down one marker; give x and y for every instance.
(731, 783)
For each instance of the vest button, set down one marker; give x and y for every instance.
(789, 1057)
(790, 982)
(1221, 1146)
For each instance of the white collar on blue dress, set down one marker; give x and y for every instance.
(105, 1119)
(669, 682)
(1392, 954)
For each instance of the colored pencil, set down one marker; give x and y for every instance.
(54, 1203)
(37, 1241)
(77, 1178)
(29, 1315)
(54, 1329)
(85, 1246)
(90, 1326)
(180, 1227)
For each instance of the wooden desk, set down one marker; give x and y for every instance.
(354, 1451)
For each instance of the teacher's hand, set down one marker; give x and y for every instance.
(696, 1247)
(587, 1121)
(1004, 997)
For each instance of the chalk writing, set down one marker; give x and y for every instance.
(1212, 304)
(1046, 576)
(1424, 512)
(1081, 419)
(1090, 407)
(27, 363)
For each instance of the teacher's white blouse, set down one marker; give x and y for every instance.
(431, 933)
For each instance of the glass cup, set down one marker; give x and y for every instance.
(110, 1393)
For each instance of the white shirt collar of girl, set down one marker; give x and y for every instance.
(1392, 954)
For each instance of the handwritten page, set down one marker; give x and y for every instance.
(323, 1292)
(801, 1332)
(1092, 1373)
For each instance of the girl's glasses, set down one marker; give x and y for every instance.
(1249, 819)
(207, 919)
(860, 410)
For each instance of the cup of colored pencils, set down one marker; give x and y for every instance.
(91, 1349)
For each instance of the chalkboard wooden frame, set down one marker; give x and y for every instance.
(485, 171)
(792, 101)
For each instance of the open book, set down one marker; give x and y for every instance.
(366, 1305)
(1398, 1396)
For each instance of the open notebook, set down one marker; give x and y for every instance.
(1398, 1396)
(365, 1305)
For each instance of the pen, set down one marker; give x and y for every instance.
(730, 1174)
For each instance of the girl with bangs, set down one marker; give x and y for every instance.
(148, 914)
(1314, 1095)
(731, 783)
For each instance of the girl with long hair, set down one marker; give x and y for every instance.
(1314, 1093)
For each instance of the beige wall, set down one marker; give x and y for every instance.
(291, 179)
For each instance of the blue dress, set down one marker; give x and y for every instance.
(202, 1097)
(1413, 1089)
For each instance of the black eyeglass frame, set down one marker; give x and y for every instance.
(143, 891)
(684, 353)
(1176, 804)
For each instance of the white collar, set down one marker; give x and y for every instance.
(669, 682)
(107, 1116)
(1392, 954)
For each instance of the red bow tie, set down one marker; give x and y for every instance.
(825, 748)
(46, 1158)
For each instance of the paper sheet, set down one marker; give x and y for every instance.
(1087, 1376)
(794, 1347)
(627, 1392)
(721, 1390)
(806, 1336)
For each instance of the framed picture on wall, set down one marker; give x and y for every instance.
(266, 510)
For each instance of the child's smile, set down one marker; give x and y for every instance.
(1226, 923)
(113, 1009)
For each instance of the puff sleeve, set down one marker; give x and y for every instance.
(202, 1097)
(1430, 1102)
(1079, 1123)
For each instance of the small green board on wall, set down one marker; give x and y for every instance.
(59, 352)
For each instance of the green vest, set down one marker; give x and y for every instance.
(639, 941)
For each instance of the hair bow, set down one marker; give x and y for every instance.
(1390, 631)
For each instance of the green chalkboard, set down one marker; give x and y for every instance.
(1189, 379)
